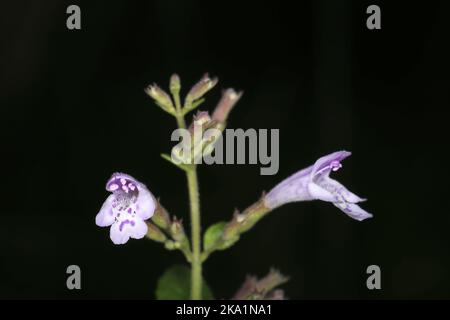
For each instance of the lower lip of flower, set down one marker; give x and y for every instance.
(125, 222)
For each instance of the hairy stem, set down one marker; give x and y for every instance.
(179, 113)
(196, 263)
(191, 174)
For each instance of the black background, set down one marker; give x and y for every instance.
(73, 111)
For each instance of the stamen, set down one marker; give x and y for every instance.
(334, 166)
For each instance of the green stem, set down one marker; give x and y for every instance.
(196, 262)
(179, 113)
(191, 174)
(180, 121)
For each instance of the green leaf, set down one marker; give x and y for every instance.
(213, 235)
(175, 284)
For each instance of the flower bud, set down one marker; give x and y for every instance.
(271, 281)
(175, 84)
(200, 123)
(161, 97)
(226, 103)
(161, 217)
(198, 90)
(154, 233)
(262, 289)
(277, 294)
(171, 245)
(177, 230)
(206, 133)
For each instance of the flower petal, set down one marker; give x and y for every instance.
(314, 183)
(124, 229)
(106, 216)
(293, 188)
(118, 180)
(320, 193)
(353, 210)
(146, 203)
(336, 188)
(347, 194)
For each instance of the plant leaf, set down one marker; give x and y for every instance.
(213, 235)
(175, 284)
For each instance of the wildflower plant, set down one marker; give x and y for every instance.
(132, 211)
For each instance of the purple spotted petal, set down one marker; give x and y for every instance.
(126, 208)
(121, 182)
(126, 228)
(144, 201)
(106, 216)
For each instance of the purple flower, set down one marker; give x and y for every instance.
(314, 183)
(126, 208)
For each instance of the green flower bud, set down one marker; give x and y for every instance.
(161, 217)
(175, 84)
(177, 230)
(161, 98)
(155, 234)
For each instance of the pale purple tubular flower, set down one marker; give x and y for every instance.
(126, 209)
(314, 183)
